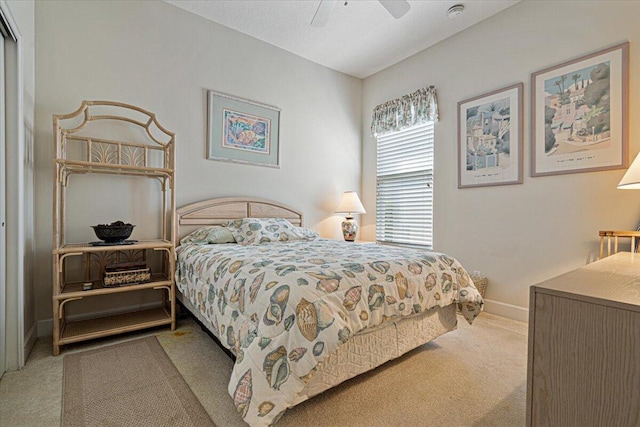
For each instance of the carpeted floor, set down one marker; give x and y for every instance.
(475, 376)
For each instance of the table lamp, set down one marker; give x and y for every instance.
(630, 181)
(350, 204)
(631, 178)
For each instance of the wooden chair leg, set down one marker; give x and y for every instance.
(601, 247)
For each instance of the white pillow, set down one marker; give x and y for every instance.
(307, 233)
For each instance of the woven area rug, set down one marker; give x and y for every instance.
(129, 384)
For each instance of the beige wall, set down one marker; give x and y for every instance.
(164, 59)
(516, 235)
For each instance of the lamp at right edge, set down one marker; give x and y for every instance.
(631, 178)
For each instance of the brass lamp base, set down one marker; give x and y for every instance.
(349, 229)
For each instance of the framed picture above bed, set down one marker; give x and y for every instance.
(579, 114)
(490, 138)
(242, 131)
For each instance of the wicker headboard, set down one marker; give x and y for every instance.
(220, 211)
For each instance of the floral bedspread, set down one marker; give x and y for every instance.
(282, 307)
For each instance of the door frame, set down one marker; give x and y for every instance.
(3, 247)
(14, 195)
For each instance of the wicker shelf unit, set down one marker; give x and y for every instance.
(79, 155)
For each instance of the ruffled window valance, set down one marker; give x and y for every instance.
(413, 109)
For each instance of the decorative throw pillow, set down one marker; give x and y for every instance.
(307, 233)
(253, 231)
(209, 234)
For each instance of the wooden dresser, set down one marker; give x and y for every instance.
(584, 346)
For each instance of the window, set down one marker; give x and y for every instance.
(404, 197)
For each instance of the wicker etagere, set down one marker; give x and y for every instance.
(78, 154)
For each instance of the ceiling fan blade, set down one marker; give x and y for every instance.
(322, 13)
(397, 8)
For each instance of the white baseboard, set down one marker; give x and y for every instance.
(45, 327)
(29, 340)
(506, 310)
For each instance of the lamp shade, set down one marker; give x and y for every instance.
(631, 179)
(350, 203)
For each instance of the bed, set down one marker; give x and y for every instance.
(302, 314)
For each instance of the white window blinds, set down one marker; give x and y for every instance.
(404, 198)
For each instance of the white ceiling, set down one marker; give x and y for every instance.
(360, 38)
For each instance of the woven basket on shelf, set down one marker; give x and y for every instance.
(481, 283)
(126, 277)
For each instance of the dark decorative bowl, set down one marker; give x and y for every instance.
(114, 232)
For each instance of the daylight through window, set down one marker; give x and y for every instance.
(404, 198)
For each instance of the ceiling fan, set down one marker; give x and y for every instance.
(397, 9)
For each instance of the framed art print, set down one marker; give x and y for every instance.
(579, 114)
(490, 138)
(243, 131)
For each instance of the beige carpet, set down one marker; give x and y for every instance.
(472, 377)
(128, 384)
